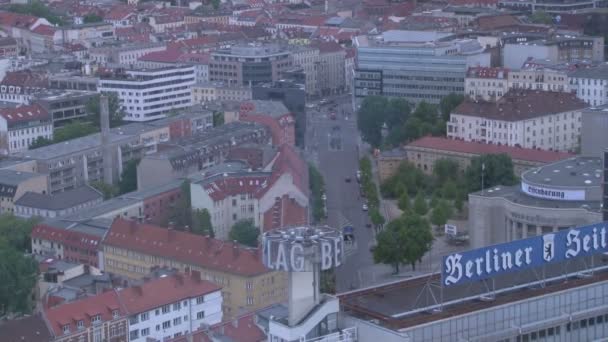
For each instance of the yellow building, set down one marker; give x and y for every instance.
(132, 249)
(13, 184)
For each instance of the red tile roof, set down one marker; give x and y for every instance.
(289, 161)
(241, 329)
(171, 55)
(66, 237)
(235, 185)
(165, 290)
(478, 148)
(488, 72)
(519, 104)
(25, 79)
(16, 20)
(24, 114)
(188, 248)
(83, 310)
(328, 47)
(44, 30)
(493, 22)
(119, 12)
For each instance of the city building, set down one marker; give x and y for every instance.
(218, 91)
(539, 77)
(196, 153)
(71, 241)
(131, 249)
(388, 163)
(36, 204)
(150, 94)
(272, 114)
(415, 65)
(424, 152)
(123, 54)
(594, 124)
(591, 84)
(523, 118)
(13, 184)
(249, 64)
(89, 319)
(330, 68)
(485, 83)
(271, 199)
(557, 49)
(64, 106)
(170, 306)
(19, 86)
(550, 198)
(27, 328)
(73, 82)
(552, 6)
(306, 57)
(22, 126)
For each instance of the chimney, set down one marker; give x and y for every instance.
(104, 119)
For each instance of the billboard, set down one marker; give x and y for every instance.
(552, 194)
(487, 262)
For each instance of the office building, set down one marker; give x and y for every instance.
(150, 94)
(524, 118)
(64, 106)
(247, 65)
(416, 66)
(131, 249)
(22, 126)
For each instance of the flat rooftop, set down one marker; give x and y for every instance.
(578, 172)
(408, 303)
(515, 195)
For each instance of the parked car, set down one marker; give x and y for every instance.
(364, 207)
(347, 179)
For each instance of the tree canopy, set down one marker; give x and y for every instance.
(128, 178)
(37, 9)
(245, 232)
(17, 270)
(497, 170)
(448, 104)
(404, 240)
(92, 18)
(420, 207)
(441, 212)
(201, 223)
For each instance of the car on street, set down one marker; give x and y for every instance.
(324, 197)
(358, 175)
(332, 115)
(347, 179)
(364, 207)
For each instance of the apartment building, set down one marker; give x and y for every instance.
(35, 204)
(13, 184)
(249, 64)
(539, 78)
(123, 54)
(524, 118)
(417, 66)
(22, 126)
(219, 91)
(132, 249)
(150, 94)
(274, 197)
(591, 84)
(272, 114)
(170, 306)
(91, 319)
(19, 86)
(330, 69)
(486, 83)
(306, 58)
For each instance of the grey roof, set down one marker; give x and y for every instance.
(599, 72)
(413, 36)
(70, 147)
(10, 177)
(515, 195)
(8, 162)
(578, 173)
(60, 201)
(271, 108)
(96, 227)
(26, 329)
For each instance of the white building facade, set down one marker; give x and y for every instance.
(22, 126)
(591, 85)
(152, 94)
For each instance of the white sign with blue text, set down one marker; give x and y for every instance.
(487, 262)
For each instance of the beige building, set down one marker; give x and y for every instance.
(486, 83)
(330, 69)
(388, 163)
(13, 184)
(539, 79)
(218, 91)
(424, 152)
(132, 250)
(306, 57)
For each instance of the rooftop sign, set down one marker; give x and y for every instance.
(487, 262)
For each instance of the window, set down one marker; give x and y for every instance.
(166, 324)
(133, 335)
(96, 319)
(66, 329)
(200, 300)
(200, 315)
(115, 313)
(166, 309)
(177, 306)
(80, 324)
(249, 300)
(249, 285)
(177, 321)
(145, 332)
(158, 327)
(144, 316)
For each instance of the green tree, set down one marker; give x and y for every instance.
(108, 190)
(388, 249)
(128, 178)
(377, 219)
(182, 215)
(92, 18)
(201, 223)
(245, 232)
(404, 202)
(448, 104)
(37, 9)
(420, 207)
(449, 190)
(376, 111)
(73, 130)
(441, 213)
(16, 232)
(458, 203)
(497, 170)
(218, 119)
(445, 170)
(40, 142)
(18, 274)
(117, 113)
(215, 4)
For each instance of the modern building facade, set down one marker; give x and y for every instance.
(150, 94)
(416, 71)
(524, 118)
(64, 106)
(249, 64)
